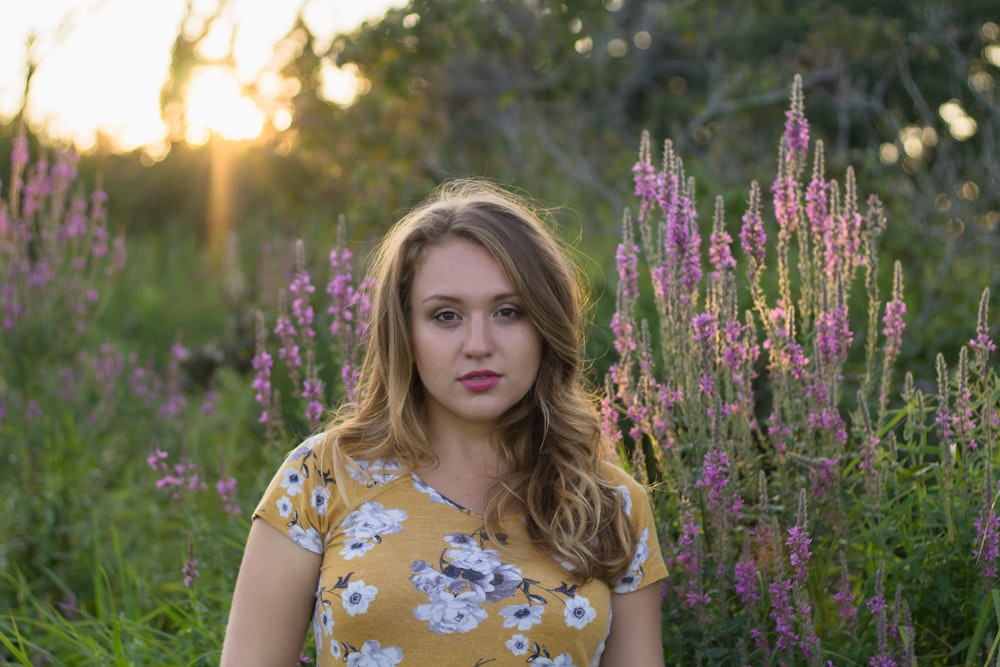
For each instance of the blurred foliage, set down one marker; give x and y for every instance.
(552, 97)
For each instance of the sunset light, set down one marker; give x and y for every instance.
(215, 104)
(99, 66)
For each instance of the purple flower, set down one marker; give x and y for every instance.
(964, 419)
(796, 136)
(798, 543)
(683, 242)
(719, 253)
(644, 176)
(190, 572)
(262, 364)
(745, 573)
(783, 614)
(892, 322)
(704, 327)
(982, 343)
(609, 419)
(340, 290)
(285, 330)
(833, 336)
(785, 197)
(844, 597)
(688, 560)
(209, 401)
(156, 460)
(627, 262)
(715, 479)
(818, 202)
(752, 236)
(64, 169)
(987, 545)
(68, 607)
(19, 152)
(226, 488)
(312, 392)
(877, 604)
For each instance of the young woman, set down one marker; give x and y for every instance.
(467, 495)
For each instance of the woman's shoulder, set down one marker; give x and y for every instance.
(313, 446)
(321, 449)
(628, 487)
(613, 473)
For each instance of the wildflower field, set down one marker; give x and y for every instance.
(818, 503)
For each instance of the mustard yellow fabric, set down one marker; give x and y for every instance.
(410, 578)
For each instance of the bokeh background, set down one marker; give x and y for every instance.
(210, 120)
(224, 131)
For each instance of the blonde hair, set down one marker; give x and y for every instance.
(550, 442)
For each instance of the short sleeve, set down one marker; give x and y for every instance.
(302, 498)
(647, 566)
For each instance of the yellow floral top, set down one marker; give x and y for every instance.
(407, 572)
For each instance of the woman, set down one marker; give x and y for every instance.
(466, 494)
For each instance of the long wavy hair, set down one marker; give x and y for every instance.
(551, 441)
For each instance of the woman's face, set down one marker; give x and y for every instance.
(477, 353)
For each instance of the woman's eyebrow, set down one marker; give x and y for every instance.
(449, 298)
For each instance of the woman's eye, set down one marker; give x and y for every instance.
(445, 316)
(508, 313)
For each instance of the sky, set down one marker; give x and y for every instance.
(101, 63)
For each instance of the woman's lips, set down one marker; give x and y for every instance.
(480, 381)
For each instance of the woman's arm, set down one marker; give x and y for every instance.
(636, 637)
(273, 601)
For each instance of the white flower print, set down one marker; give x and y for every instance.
(461, 540)
(522, 616)
(292, 482)
(308, 539)
(566, 565)
(326, 621)
(561, 660)
(641, 550)
(335, 649)
(518, 644)
(447, 613)
(379, 471)
(320, 499)
(626, 499)
(480, 569)
(354, 548)
(630, 581)
(322, 623)
(422, 486)
(284, 507)
(578, 612)
(474, 560)
(596, 662)
(426, 579)
(357, 596)
(503, 582)
(371, 519)
(373, 655)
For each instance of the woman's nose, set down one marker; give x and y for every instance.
(478, 341)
